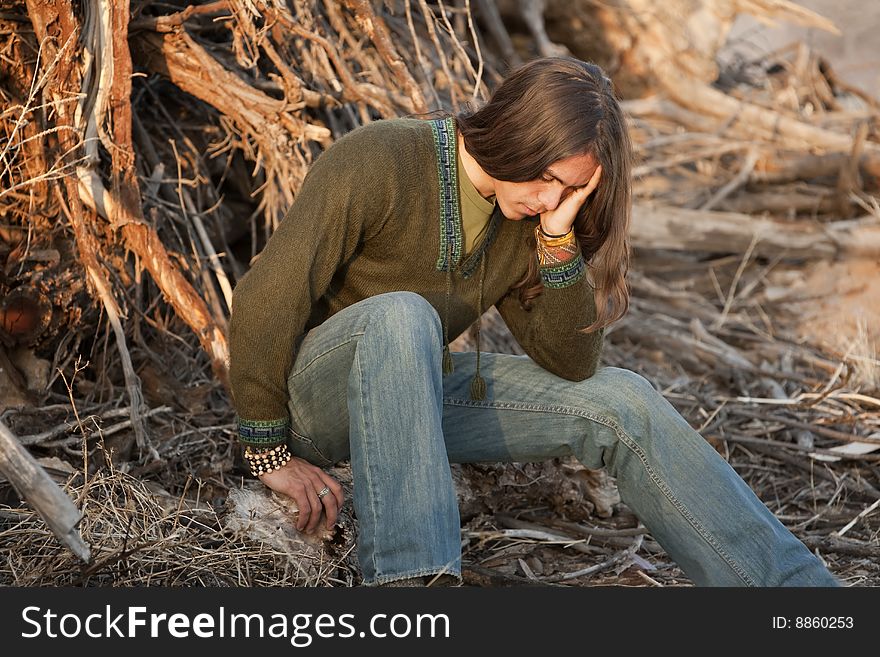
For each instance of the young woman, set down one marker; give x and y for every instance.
(403, 233)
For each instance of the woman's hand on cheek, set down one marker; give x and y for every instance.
(560, 220)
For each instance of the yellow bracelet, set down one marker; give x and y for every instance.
(544, 233)
(556, 251)
(553, 241)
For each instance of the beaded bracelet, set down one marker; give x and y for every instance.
(268, 460)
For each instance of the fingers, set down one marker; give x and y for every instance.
(329, 502)
(578, 196)
(590, 187)
(594, 180)
(335, 488)
(308, 520)
(302, 481)
(333, 500)
(300, 498)
(307, 502)
(316, 508)
(331, 509)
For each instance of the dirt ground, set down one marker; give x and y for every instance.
(838, 306)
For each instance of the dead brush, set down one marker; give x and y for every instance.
(139, 538)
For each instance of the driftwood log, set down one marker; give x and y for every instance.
(43, 494)
(665, 227)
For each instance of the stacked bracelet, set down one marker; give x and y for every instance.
(547, 235)
(557, 250)
(269, 460)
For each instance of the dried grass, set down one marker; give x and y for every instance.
(140, 538)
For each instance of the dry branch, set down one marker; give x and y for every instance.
(644, 33)
(376, 29)
(711, 102)
(43, 494)
(125, 209)
(69, 85)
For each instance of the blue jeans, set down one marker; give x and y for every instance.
(367, 384)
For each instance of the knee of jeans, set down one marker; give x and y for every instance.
(631, 399)
(407, 316)
(629, 383)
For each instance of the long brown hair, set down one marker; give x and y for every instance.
(547, 110)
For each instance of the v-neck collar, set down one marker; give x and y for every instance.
(451, 231)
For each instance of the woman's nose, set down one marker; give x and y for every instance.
(549, 198)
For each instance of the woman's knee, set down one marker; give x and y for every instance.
(629, 384)
(624, 397)
(406, 316)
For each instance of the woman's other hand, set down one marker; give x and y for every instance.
(302, 481)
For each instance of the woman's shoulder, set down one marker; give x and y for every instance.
(378, 164)
(390, 138)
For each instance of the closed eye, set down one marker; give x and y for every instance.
(549, 178)
(567, 191)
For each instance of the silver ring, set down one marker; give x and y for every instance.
(323, 492)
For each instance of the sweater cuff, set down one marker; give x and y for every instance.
(262, 433)
(560, 262)
(565, 274)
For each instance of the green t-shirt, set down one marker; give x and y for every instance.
(475, 210)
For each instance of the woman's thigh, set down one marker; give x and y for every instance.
(318, 384)
(530, 414)
(320, 381)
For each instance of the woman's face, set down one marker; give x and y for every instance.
(519, 200)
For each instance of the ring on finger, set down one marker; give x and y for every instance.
(324, 491)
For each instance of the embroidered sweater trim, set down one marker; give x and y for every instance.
(447, 173)
(262, 433)
(451, 232)
(564, 275)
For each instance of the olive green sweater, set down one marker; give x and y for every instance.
(379, 212)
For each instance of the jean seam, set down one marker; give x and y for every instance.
(367, 466)
(324, 353)
(633, 447)
(429, 570)
(309, 444)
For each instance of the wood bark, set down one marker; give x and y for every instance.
(141, 238)
(686, 32)
(68, 85)
(177, 57)
(376, 29)
(122, 204)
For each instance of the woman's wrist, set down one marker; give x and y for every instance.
(555, 251)
(548, 240)
(551, 236)
(266, 460)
